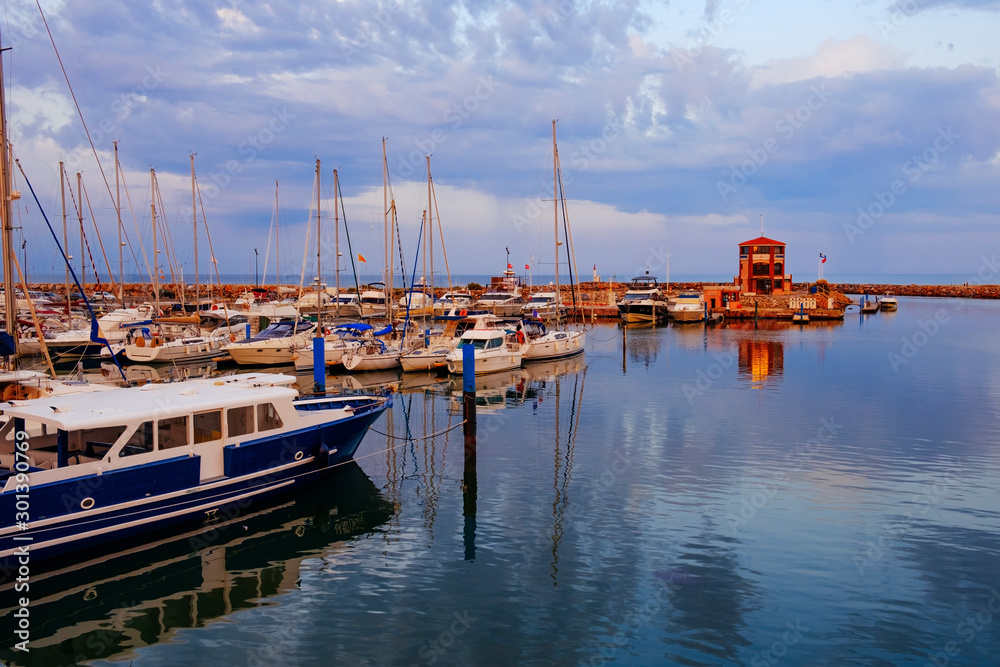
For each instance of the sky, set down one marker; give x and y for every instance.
(866, 131)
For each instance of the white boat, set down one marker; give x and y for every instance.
(495, 350)
(128, 461)
(436, 347)
(374, 355)
(374, 302)
(888, 302)
(208, 333)
(23, 384)
(687, 306)
(503, 296)
(643, 301)
(454, 300)
(348, 304)
(544, 305)
(418, 301)
(274, 345)
(541, 344)
(113, 327)
(337, 341)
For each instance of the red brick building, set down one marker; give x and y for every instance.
(762, 267)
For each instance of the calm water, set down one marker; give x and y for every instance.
(823, 495)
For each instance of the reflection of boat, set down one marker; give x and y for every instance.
(106, 466)
(643, 301)
(491, 390)
(370, 381)
(107, 606)
(888, 302)
(548, 370)
(495, 350)
(687, 307)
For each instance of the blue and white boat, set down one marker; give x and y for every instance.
(82, 470)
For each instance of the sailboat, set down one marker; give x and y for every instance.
(538, 342)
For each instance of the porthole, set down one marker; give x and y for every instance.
(86, 503)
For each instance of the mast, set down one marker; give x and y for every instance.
(62, 190)
(83, 250)
(555, 205)
(430, 231)
(156, 253)
(336, 239)
(388, 242)
(277, 237)
(319, 254)
(194, 219)
(118, 213)
(10, 301)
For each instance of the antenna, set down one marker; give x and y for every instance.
(761, 224)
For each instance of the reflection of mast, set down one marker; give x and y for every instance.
(561, 501)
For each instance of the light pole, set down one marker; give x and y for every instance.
(256, 255)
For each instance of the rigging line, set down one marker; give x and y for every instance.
(34, 318)
(339, 193)
(79, 112)
(211, 250)
(100, 241)
(94, 328)
(410, 438)
(135, 223)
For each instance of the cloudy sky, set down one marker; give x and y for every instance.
(867, 131)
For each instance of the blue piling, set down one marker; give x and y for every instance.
(469, 397)
(319, 363)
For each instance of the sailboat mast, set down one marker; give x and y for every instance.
(336, 237)
(118, 214)
(79, 213)
(10, 301)
(62, 190)
(319, 254)
(388, 240)
(156, 253)
(555, 205)
(277, 236)
(194, 219)
(429, 235)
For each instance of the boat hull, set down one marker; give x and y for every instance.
(488, 364)
(425, 359)
(687, 315)
(632, 313)
(554, 348)
(371, 362)
(140, 499)
(204, 350)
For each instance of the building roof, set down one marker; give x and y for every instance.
(762, 240)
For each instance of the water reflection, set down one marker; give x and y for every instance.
(760, 360)
(142, 594)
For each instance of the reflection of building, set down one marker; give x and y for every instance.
(762, 267)
(761, 359)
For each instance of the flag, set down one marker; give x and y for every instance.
(361, 258)
(527, 268)
(822, 258)
(509, 265)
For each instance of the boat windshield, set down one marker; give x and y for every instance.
(478, 343)
(541, 299)
(282, 330)
(637, 297)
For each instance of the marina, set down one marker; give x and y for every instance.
(656, 529)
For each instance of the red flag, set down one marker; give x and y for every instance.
(527, 268)
(509, 265)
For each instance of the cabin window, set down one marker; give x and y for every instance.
(92, 444)
(239, 421)
(267, 417)
(207, 426)
(172, 432)
(141, 442)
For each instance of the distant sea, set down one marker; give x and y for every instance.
(460, 280)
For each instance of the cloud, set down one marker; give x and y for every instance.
(832, 59)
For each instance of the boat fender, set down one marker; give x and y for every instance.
(140, 342)
(232, 338)
(520, 337)
(323, 456)
(215, 307)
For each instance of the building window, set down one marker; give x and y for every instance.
(778, 268)
(745, 250)
(761, 269)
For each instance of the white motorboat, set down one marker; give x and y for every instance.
(495, 350)
(274, 345)
(433, 354)
(503, 296)
(541, 344)
(643, 301)
(688, 306)
(888, 302)
(545, 306)
(418, 301)
(454, 300)
(374, 302)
